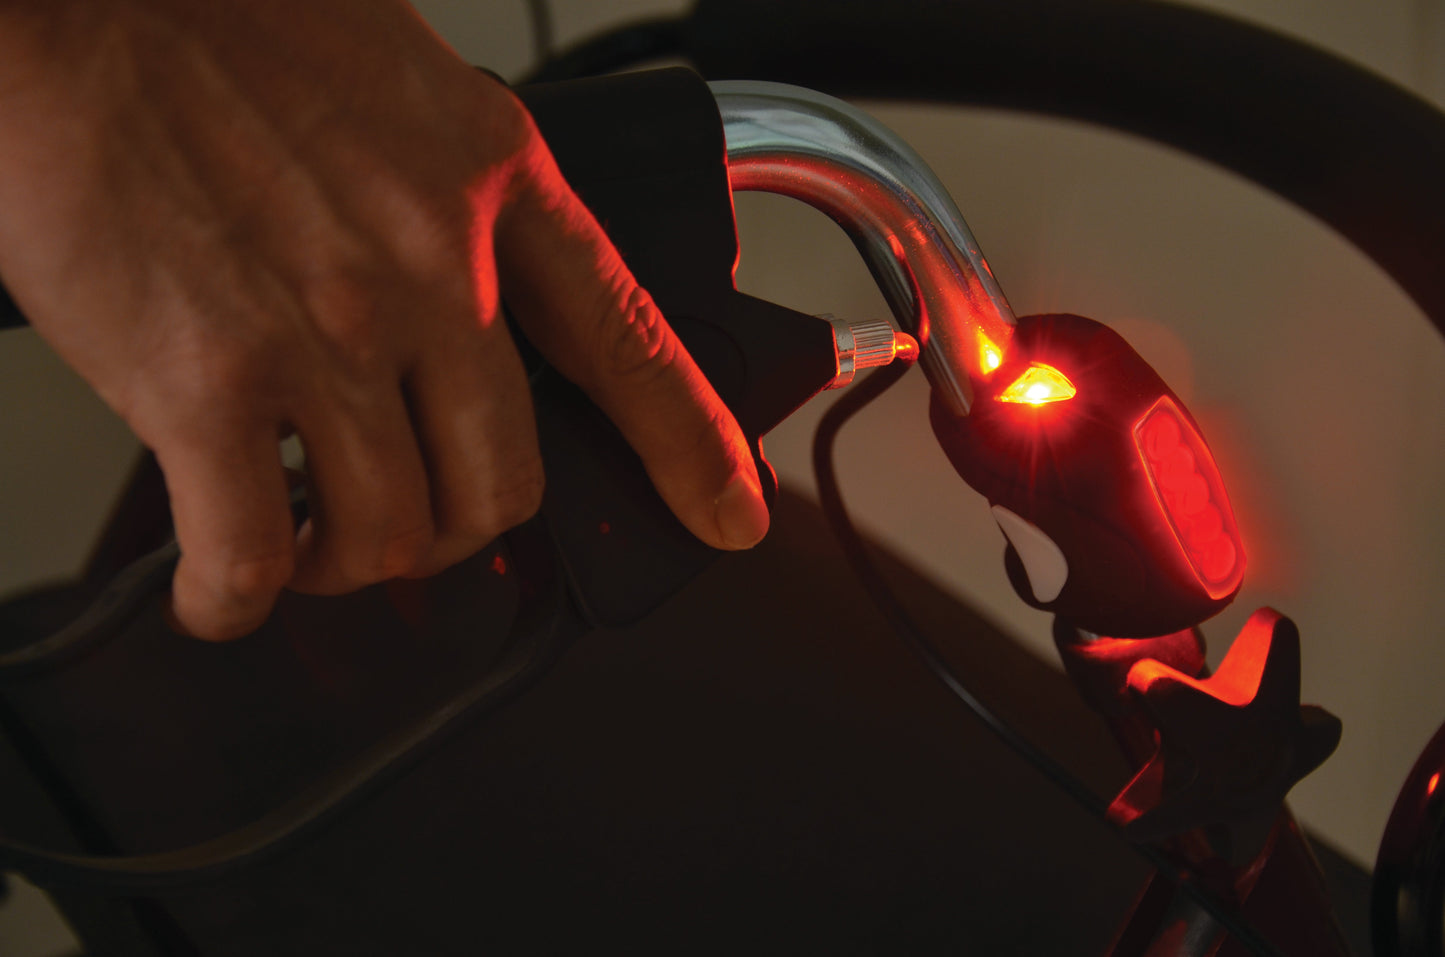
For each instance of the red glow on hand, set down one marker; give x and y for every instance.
(1191, 493)
(1432, 784)
(1040, 384)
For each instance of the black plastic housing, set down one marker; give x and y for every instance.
(1072, 470)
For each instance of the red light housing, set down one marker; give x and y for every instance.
(1191, 494)
(1116, 476)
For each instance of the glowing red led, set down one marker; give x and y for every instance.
(1191, 494)
(1039, 384)
(990, 356)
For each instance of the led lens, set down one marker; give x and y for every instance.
(1187, 485)
(1040, 384)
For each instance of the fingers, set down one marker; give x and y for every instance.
(376, 511)
(229, 500)
(473, 414)
(583, 309)
(421, 446)
(370, 507)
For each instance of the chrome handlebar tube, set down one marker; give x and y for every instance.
(820, 150)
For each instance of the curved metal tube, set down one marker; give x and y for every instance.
(799, 143)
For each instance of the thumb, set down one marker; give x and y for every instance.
(580, 305)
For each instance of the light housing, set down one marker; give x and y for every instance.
(1143, 557)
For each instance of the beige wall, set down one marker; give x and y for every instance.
(1321, 386)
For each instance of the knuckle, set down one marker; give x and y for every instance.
(253, 580)
(430, 232)
(521, 498)
(505, 129)
(637, 343)
(203, 360)
(343, 310)
(219, 381)
(516, 164)
(507, 505)
(394, 554)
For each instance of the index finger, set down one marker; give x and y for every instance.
(581, 306)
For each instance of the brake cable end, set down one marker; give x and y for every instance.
(867, 344)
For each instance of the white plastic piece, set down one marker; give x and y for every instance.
(1044, 562)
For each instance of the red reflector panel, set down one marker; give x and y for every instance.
(1187, 485)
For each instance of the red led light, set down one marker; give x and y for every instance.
(990, 356)
(1187, 485)
(1038, 385)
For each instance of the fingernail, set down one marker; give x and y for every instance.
(742, 515)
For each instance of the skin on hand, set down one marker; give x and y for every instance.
(244, 218)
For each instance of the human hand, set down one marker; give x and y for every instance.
(241, 219)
